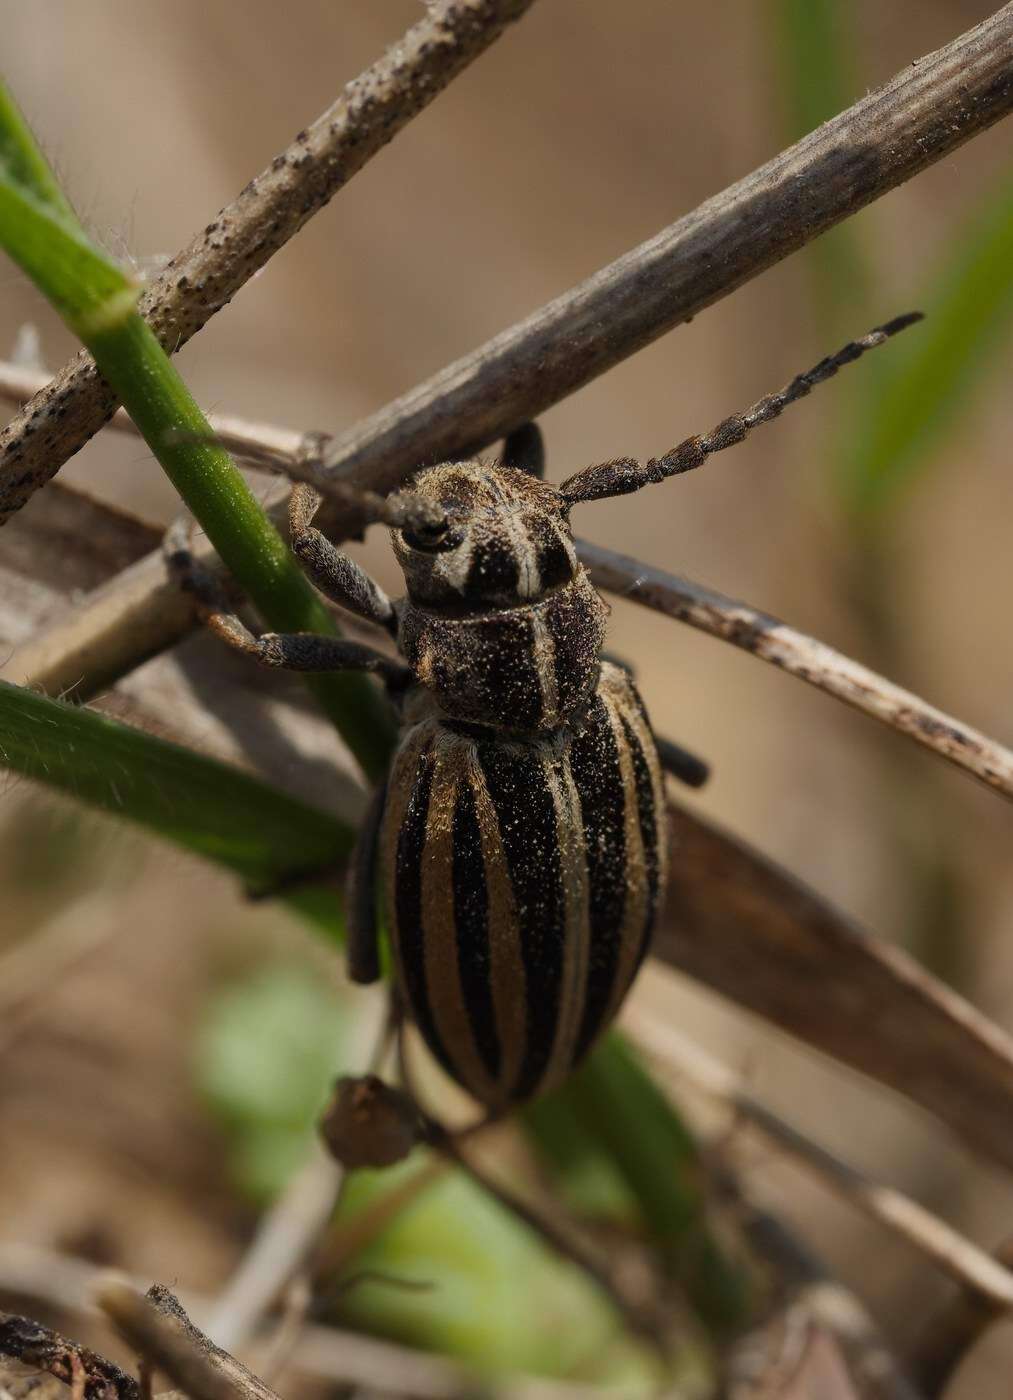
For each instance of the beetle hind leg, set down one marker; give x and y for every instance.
(682, 764)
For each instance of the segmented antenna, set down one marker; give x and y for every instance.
(625, 474)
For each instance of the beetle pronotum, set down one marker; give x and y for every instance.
(521, 832)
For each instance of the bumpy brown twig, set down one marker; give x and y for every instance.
(799, 655)
(208, 273)
(926, 111)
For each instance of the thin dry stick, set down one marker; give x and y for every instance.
(291, 1229)
(285, 1236)
(950, 1251)
(160, 1331)
(771, 640)
(640, 1317)
(950, 1334)
(209, 272)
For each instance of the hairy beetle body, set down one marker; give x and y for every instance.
(522, 880)
(521, 829)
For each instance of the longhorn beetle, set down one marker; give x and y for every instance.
(521, 830)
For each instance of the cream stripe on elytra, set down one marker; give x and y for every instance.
(577, 945)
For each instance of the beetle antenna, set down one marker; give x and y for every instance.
(400, 510)
(625, 474)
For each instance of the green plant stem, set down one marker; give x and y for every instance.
(201, 805)
(622, 1113)
(173, 426)
(27, 166)
(98, 302)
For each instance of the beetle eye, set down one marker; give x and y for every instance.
(432, 538)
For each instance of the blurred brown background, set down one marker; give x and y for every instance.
(590, 126)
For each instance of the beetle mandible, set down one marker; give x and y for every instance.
(521, 831)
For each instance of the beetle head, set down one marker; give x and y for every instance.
(501, 538)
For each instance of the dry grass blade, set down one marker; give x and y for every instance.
(951, 1252)
(791, 651)
(817, 1333)
(745, 928)
(207, 274)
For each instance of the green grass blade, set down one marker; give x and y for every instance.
(918, 392)
(96, 299)
(199, 804)
(623, 1115)
(82, 284)
(25, 164)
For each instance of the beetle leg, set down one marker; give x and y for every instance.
(336, 575)
(363, 953)
(292, 651)
(682, 764)
(525, 450)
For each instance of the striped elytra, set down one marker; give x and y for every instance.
(522, 878)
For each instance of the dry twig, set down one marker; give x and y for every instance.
(640, 1315)
(798, 655)
(159, 1330)
(971, 1267)
(207, 274)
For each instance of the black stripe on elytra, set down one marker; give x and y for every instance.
(408, 901)
(471, 923)
(648, 830)
(594, 763)
(526, 815)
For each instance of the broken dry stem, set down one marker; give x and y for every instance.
(945, 1247)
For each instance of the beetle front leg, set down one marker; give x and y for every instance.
(291, 651)
(363, 952)
(336, 575)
